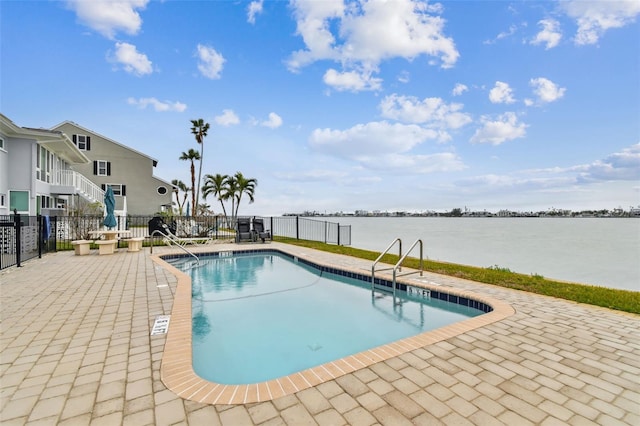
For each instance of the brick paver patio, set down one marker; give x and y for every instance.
(76, 349)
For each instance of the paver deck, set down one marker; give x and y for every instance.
(76, 349)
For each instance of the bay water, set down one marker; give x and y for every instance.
(596, 251)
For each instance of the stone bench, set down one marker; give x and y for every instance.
(81, 247)
(134, 244)
(106, 246)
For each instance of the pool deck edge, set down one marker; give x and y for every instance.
(179, 376)
(77, 348)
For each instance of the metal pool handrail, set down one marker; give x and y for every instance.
(398, 266)
(373, 267)
(171, 243)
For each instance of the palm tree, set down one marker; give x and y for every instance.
(192, 155)
(204, 209)
(217, 186)
(180, 186)
(199, 129)
(244, 186)
(231, 191)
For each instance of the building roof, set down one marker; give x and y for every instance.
(55, 141)
(155, 162)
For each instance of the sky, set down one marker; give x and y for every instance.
(345, 105)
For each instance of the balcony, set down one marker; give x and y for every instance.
(70, 182)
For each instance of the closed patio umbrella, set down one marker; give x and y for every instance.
(110, 203)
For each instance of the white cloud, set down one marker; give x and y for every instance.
(549, 35)
(432, 112)
(210, 62)
(131, 60)
(441, 162)
(314, 175)
(384, 146)
(501, 94)
(227, 118)
(351, 81)
(505, 34)
(546, 90)
(594, 18)
(621, 166)
(371, 139)
(254, 8)
(157, 105)
(273, 122)
(624, 165)
(459, 89)
(343, 33)
(505, 128)
(109, 17)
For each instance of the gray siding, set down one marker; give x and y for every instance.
(22, 168)
(127, 167)
(4, 175)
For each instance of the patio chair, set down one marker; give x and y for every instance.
(243, 230)
(259, 231)
(174, 239)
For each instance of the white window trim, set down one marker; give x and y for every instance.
(82, 146)
(99, 168)
(117, 188)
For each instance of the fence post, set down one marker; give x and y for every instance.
(53, 224)
(40, 235)
(325, 231)
(338, 234)
(297, 227)
(16, 224)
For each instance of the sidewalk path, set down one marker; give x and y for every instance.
(76, 349)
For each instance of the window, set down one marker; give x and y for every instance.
(44, 202)
(102, 168)
(3, 200)
(2, 144)
(49, 166)
(162, 190)
(83, 142)
(117, 188)
(19, 200)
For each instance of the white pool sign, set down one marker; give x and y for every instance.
(161, 324)
(419, 292)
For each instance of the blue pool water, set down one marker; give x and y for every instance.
(263, 315)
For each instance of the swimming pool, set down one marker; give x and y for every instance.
(261, 314)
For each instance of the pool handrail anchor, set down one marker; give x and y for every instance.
(373, 267)
(172, 241)
(398, 266)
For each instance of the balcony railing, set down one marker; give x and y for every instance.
(81, 184)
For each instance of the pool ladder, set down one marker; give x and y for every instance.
(173, 241)
(397, 267)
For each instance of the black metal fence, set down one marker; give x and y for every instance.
(303, 228)
(25, 237)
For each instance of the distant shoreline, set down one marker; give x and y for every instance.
(491, 215)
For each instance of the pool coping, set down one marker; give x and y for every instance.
(177, 373)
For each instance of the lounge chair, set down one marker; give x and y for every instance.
(174, 239)
(243, 230)
(259, 231)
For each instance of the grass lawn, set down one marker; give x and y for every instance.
(622, 300)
